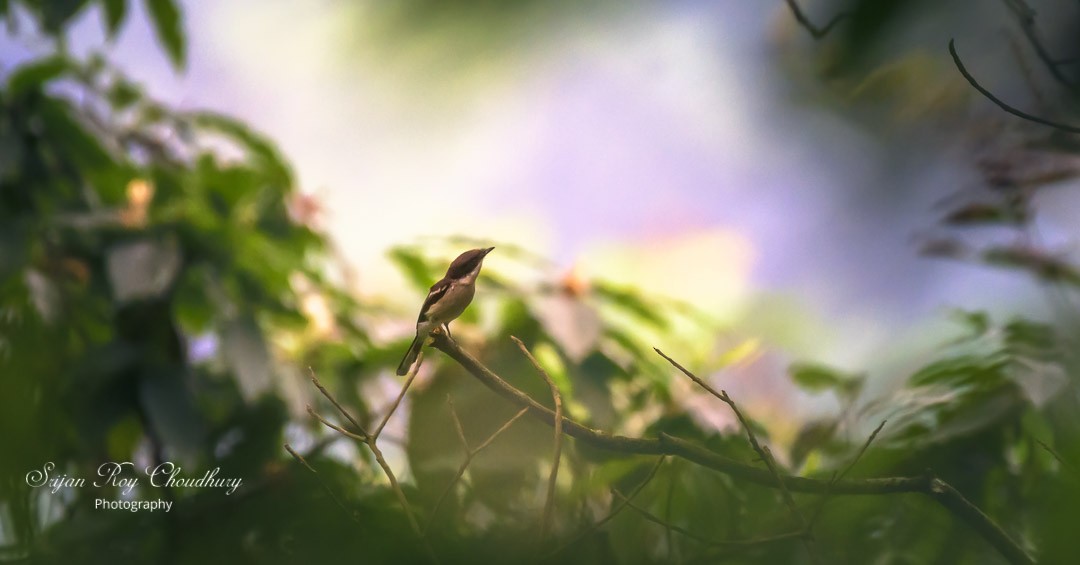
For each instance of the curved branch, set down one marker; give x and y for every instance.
(815, 32)
(948, 497)
(989, 96)
(549, 501)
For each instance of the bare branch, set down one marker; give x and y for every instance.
(501, 429)
(667, 516)
(457, 424)
(1053, 453)
(842, 474)
(702, 540)
(762, 451)
(989, 96)
(549, 502)
(404, 389)
(869, 440)
(1025, 15)
(369, 440)
(815, 32)
(334, 426)
(654, 519)
(614, 511)
(469, 455)
(330, 397)
(940, 491)
(326, 487)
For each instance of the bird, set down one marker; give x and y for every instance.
(446, 300)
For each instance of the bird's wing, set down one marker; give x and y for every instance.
(437, 291)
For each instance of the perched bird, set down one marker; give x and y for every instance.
(446, 300)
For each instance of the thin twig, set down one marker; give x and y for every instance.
(842, 474)
(549, 502)
(330, 397)
(869, 440)
(703, 540)
(667, 516)
(666, 444)
(1025, 69)
(1026, 17)
(469, 455)
(369, 440)
(334, 426)
(815, 32)
(397, 401)
(352, 516)
(457, 424)
(989, 96)
(762, 451)
(614, 511)
(1055, 455)
(501, 429)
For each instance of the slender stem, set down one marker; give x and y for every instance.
(334, 426)
(369, 440)
(990, 96)
(549, 502)
(326, 487)
(457, 425)
(330, 397)
(397, 401)
(815, 32)
(762, 451)
(469, 454)
(700, 539)
(668, 445)
(842, 474)
(614, 511)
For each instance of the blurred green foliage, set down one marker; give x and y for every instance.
(157, 282)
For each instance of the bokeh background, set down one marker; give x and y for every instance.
(204, 200)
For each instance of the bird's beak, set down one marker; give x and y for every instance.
(488, 250)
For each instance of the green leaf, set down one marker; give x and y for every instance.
(412, 266)
(633, 303)
(977, 322)
(980, 371)
(115, 13)
(165, 15)
(1026, 336)
(34, 75)
(256, 144)
(123, 94)
(55, 14)
(818, 378)
(812, 436)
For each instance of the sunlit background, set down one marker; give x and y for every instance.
(656, 144)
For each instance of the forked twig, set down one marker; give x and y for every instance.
(369, 440)
(815, 32)
(762, 451)
(470, 453)
(703, 540)
(397, 401)
(330, 397)
(614, 511)
(549, 502)
(927, 485)
(1053, 453)
(842, 474)
(326, 487)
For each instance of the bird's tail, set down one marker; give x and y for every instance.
(410, 356)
